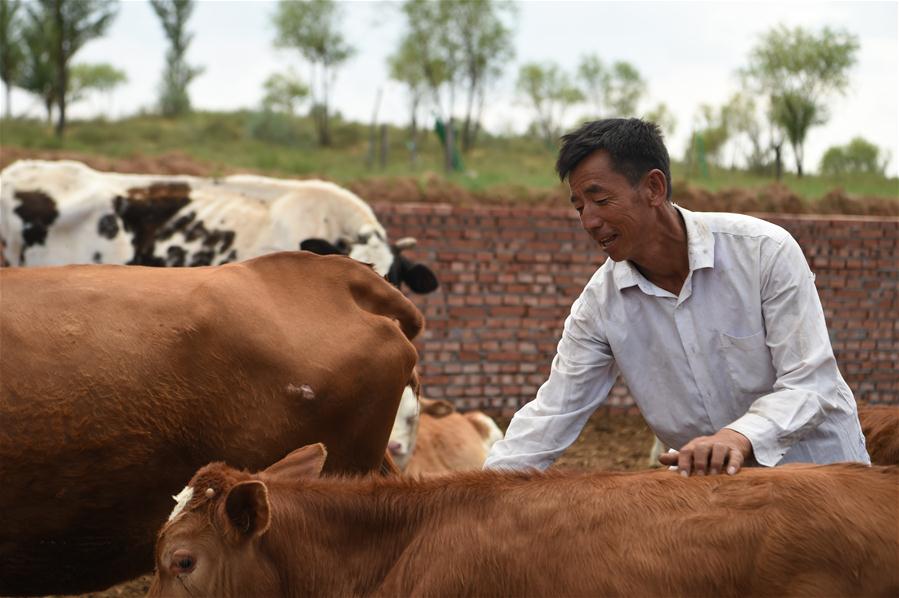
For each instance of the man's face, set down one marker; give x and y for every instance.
(612, 210)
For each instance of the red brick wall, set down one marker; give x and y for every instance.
(509, 275)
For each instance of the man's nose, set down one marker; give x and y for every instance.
(590, 217)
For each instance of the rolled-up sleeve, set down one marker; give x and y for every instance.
(807, 384)
(581, 375)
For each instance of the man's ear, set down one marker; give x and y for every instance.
(247, 509)
(656, 186)
(304, 462)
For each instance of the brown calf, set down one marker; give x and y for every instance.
(451, 441)
(801, 530)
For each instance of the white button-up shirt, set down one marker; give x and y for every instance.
(743, 346)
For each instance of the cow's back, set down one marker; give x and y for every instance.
(63, 212)
(880, 425)
(117, 382)
(809, 531)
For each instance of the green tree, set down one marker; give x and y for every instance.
(312, 28)
(664, 118)
(485, 44)
(713, 127)
(550, 92)
(796, 114)
(451, 45)
(174, 99)
(624, 88)
(70, 24)
(38, 72)
(745, 126)
(797, 70)
(594, 75)
(12, 56)
(859, 156)
(88, 78)
(284, 92)
(431, 41)
(405, 67)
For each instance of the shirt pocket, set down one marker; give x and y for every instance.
(748, 362)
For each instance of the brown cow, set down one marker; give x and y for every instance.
(810, 530)
(451, 441)
(118, 382)
(880, 424)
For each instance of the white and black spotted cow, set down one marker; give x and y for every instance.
(62, 212)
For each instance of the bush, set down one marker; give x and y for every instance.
(277, 128)
(857, 157)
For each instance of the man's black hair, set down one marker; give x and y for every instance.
(635, 147)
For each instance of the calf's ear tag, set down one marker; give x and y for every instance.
(210, 493)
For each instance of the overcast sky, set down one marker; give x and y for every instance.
(688, 52)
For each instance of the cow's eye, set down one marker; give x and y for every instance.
(183, 562)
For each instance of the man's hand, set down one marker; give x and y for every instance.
(710, 454)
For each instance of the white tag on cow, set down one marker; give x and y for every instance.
(182, 499)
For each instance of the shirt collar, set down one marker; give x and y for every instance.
(700, 251)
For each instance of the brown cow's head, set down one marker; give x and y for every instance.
(210, 545)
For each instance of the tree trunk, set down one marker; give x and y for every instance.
(61, 71)
(448, 146)
(326, 131)
(324, 134)
(383, 151)
(797, 153)
(477, 120)
(370, 161)
(467, 134)
(413, 137)
(547, 126)
(8, 101)
(778, 162)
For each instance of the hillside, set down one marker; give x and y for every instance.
(498, 171)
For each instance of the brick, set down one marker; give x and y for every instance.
(517, 271)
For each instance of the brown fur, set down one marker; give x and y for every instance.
(117, 383)
(791, 531)
(880, 424)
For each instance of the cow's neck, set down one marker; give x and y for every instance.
(355, 532)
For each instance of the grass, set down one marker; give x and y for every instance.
(809, 186)
(280, 145)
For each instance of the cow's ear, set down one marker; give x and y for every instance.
(247, 509)
(319, 246)
(304, 462)
(436, 408)
(419, 278)
(389, 468)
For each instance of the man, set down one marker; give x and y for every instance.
(713, 320)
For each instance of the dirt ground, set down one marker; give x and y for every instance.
(610, 441)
